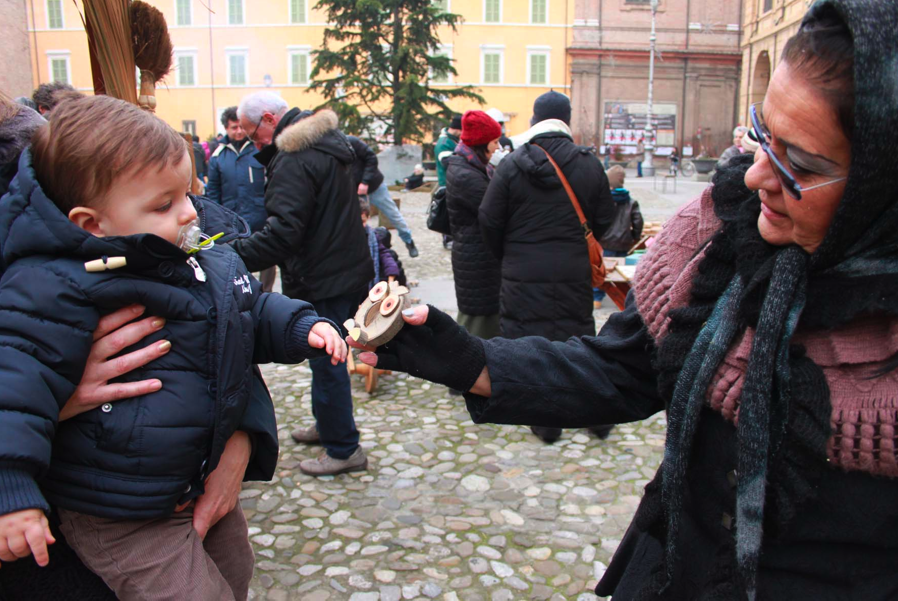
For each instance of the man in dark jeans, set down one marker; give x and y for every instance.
(314, 234)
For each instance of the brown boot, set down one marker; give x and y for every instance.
(306, 435)
(326, 465)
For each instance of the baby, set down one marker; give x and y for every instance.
(99, 218)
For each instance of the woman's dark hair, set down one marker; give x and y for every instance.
(481, 151)
(823, 52)
(228, 115)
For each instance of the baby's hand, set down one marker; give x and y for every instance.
(23, 533)
(324, 336)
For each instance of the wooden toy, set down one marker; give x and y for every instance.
(379, 317)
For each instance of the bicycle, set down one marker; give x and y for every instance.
(684, 167)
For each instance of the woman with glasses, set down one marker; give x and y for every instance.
(765, 321)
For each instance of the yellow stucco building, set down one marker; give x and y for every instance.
(511, 50)
(766, 27)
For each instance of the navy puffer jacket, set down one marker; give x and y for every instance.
(139, 457)
(237, 181)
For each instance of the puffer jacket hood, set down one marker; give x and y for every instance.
(139, 457)
(533, 163)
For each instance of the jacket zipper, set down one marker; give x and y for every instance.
(197, 270)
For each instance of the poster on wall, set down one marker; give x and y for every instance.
(625, 125)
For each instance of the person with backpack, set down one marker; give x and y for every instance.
(528, 222)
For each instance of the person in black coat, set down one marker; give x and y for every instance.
(529, 223)
(475, 269)
(314, 234)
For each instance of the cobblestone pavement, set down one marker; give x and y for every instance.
(447, 509)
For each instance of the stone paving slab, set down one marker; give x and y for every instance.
(448, 509)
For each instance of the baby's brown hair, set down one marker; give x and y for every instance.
(93, 140)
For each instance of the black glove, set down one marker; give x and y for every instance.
(440, 351)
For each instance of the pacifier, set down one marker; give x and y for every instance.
(192, 239)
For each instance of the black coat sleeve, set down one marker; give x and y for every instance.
(290, 202)
(605, 379)
(494, 210)
(603, 204)
(364, 153)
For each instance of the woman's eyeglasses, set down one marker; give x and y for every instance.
(760, 134)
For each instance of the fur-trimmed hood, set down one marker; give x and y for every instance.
(305, 130)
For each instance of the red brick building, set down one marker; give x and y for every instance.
(697, 72)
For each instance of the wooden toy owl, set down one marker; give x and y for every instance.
(379, 317)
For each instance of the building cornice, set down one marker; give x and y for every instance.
(720, 56)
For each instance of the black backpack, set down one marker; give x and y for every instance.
(438, 212)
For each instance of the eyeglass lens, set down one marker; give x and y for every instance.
(786, 179)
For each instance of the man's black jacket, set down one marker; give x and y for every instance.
(314, 231)
(364, 169)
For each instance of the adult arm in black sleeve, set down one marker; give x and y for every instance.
(606, 379)
(290, 202)
(364, 152)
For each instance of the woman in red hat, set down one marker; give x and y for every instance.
(476, 270)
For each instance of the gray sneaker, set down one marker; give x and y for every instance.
(326, 465)
(306, 435)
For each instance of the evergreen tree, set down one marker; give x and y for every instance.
(375, 64)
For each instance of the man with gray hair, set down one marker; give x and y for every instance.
(736, 149)
(314, 234)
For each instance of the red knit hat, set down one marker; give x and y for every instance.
(478, 128)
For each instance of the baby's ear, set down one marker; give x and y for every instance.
(87, 219)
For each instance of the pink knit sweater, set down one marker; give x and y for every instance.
(864, 410)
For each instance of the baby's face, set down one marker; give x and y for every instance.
(149, 202)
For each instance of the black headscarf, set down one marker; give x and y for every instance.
(744, 281)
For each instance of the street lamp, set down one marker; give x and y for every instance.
(648, 167)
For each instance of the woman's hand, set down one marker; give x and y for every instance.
(223, 484)
(113, 334)
(324, 336)
(434, 347)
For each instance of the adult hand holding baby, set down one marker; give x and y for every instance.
(114, 333)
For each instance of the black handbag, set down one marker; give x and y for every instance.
(438, 212)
